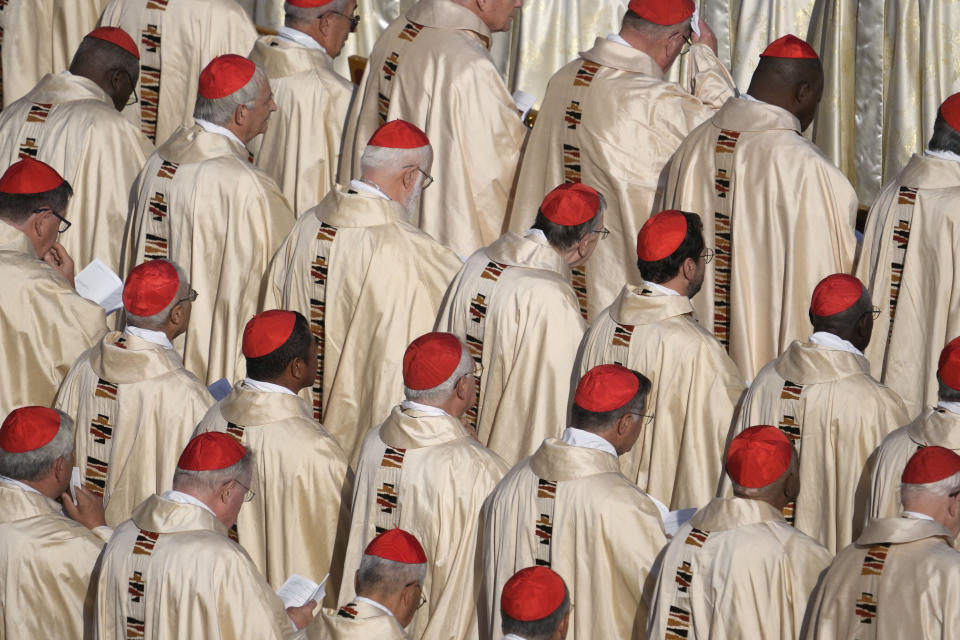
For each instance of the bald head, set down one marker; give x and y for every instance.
(111, 67)
(794, 84)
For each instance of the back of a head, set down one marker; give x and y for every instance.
(104, 49)
(211, 460)
(228, 82)
(930, 478)
(306, 11)
(605, 394)
(568, 213)
(151, 291)
(654, 21)
(946, 128)
(28, 186)
(272, 339)
(31, 440)
(391, 562)
(432, 365)
(789, 75)
(534, 604)
(841, 305)
(758, 462)
(665, 241)
(948, 372)
(394, 147)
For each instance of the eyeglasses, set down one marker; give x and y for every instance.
(248, 496)
(192, 296)
(64, 223)
(603, 232)
(427, 178)
(875, 312)
(687, 43)
(707, 255)
(354, 20)
(647, 419)
(132, 100)
(423, 598)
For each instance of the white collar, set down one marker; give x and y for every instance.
(374, 603)
(615, 37)
(357, 185)
(750, 98)
(185, 498)
(153, 337)
(587, 440)
(423, 408)
(209, 127)
(17, 483)
(834, 342)
(267, 387)
(300, 38)
(943, 155)
(536, 233)
(667, 291)
(952, 407)
(513, 636)
(915, 515)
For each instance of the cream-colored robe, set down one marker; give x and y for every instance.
(299, 518)
(571, 509)
(301, 147)
(38, 37)
(44, 326)
(432, 68)
(171, 572)
(135, 407)
(177, 39)
(900, 580)
(70, 123)
(513, 305)
(825, 401)
(696, 386)
(428, 476)
(370, 283)
(45, 565)
(355, 621)
(611, 120)
(779, 216)
(200, 203)
(909, 263)
(735, 570)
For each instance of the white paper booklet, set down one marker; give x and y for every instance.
(75, 481)
(672, 520)
(297, 590)
(99, 284)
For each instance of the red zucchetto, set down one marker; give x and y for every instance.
(399, 134)
(28, 176)
(28, 428)
(661, 235)
(211, 451)
(663, 12)
(225, 75)
(267, 331)
(948, 367)
(396, 545)
(117, 36)
(606, 387)
(758, 456)
(835, 294)
(950, 110)
(571, 204)
(532, 594)
(789, 46)
(430, 360)
(930, 464)
(150, 287)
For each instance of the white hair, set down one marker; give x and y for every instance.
(206, 481)
(157, 321)
(445, 388)
(395, 160)
(941, 488)
(33, 465)
(220, 110)
(379, 575)
(295, 15)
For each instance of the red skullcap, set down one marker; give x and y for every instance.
(835, 294)
(606, 387)
(948, 367)
(396, 545)
(661, 235)
(28, 429)
(790, 46)
(930, 464)
(225, 75)
(211, 451)
(532, 594)
(399, 134)
(430, 360)
(571, 204)
(150, 287)
(309, 4)
(267, 331)
(117, 36)
(950, 110)
(29, 176)
(663, 12)
(758, 456)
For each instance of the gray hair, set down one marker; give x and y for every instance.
(379, 575)
(941, 488)
(157, 321)
(206, 481)
(945, 393)
(33, 465)
(299, 15)
(393, 160)
(220, 110)
(445, 388)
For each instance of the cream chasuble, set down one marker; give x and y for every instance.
(177, 39)
(909, 263)
(513, 305)
(426, 475)
(171, 573)
(610, 120)
(735, 570)
(44, 326)
(299, 519)
(370, 283)
(900, 580)
(200, 203)
(71, 124)
(45, 565)
(355, 621)
(432, 68)
(38, 37)
(763, 188)
(301, 147)
(135, 407)
(835, 414)
(696, 386)
(569, 508)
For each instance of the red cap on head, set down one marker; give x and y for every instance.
(28, 428)
(225, 75)
(758, 456)
(661, 235)
(930, 464)
(606, 387)
(430, 360)
(399, 134)
(948, 367)
(150, 287)
(532, 594)
(663, 12)
(309, 4)
(396, 545)
(835, 294)
(571, 204)
(950, 110)
(267, 331)
(211, 451)
(117, 36)
(29, 176)
(789, 46)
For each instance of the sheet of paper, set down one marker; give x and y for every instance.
(101, 285)
(75, 481)
(219, 389)
(676, 519)
(297, 590)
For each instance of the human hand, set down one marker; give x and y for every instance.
(707, 36)
(302, 616)
(58, 258)
(89, 508)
